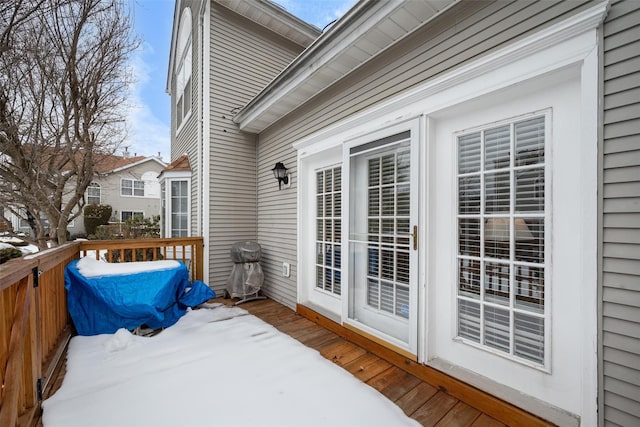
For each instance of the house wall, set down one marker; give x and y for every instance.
(110, 193)
(461, 34)
(620, 217)
(185, 139)
(245, 57)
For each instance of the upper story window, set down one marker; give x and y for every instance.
(132, 187)
(183, 68)
(502, 291)
(93, 194)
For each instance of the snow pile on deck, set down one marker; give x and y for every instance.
(215, 367)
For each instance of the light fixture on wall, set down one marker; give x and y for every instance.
(280, 173)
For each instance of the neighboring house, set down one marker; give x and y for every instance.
(128, 183)
(463, 184)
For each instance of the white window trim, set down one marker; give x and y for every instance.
(133, 214)
(95, 185)
(329, 305)
(178, 177)
(184, 49)
(333, 269)
(133, 187)
(548, 285)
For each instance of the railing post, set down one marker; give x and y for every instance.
(9, 409)
(199, 260)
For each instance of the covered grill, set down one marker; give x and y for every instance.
(246, 277)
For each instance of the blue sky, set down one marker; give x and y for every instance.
(150, 113)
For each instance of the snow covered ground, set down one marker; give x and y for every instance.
(218, 366)
(14, 242)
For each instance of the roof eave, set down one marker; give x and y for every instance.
(139, 162)
(360, 19)
(299, 69)
(279, 14)
(174, 32)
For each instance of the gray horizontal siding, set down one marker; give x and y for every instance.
(465, 32)
(480, 27)
(244, 58)
(620, 209)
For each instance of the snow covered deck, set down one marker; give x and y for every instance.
(429, 404)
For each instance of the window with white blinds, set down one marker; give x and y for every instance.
(179, 208)
(328, 229)
(501, 238)
(388, 231)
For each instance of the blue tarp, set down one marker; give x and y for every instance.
(157, 299)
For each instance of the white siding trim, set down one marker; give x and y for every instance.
(204, 151)
(589, 237)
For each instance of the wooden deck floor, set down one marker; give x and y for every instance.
(418, 399)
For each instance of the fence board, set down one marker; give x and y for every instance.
(12, 382)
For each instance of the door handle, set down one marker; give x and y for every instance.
(415, 237)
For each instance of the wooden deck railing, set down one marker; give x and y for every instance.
(34, 320)
(186, 249)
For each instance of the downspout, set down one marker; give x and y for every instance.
(204, 133)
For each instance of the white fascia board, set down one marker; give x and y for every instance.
(320, 55)
(581, 23)
(360, 19)
(275, 12)
(139, 162)
(174, 175)
(172, 49)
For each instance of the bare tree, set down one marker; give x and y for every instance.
(63, 86)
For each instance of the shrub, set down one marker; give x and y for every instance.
(9, 253)
(141, 254)
(136, 228)
(95, 215)
(142, 227)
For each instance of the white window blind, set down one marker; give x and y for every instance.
(501, 238)
(179, 209)
(329, 230)
(388, 205)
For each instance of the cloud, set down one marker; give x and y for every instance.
(147, 134)
(317, 12)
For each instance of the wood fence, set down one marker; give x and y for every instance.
(34, 321)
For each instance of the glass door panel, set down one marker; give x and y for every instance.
(382, 216)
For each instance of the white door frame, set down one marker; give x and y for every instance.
(415, 126)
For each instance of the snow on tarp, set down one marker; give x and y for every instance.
(215, 367)
(104, 297)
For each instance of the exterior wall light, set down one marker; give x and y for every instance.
(280, 173)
